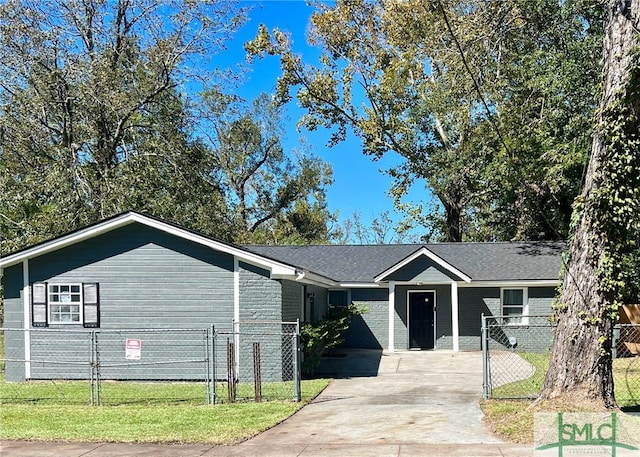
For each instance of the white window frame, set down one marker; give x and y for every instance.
(524, 319)
(57, 303)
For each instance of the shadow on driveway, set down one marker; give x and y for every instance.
(350, 363)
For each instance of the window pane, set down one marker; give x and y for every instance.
(75, 289)
(512, 311)
(512, 297)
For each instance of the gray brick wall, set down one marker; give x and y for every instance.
(443, 327)
(370, 330)
(291, 300)
(260, 296)
(473, 302)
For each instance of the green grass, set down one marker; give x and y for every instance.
(512, 419)
(626, 374)
(526, 388)
(146, 422)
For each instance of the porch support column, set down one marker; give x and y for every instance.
(454, 317)
(392, 314)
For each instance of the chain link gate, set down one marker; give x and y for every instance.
(516, 358)
(259, 360)
(150, 365)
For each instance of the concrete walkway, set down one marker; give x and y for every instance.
(409, 403)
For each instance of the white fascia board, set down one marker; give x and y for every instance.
(276, 268)
(66, 240)
(519, 283)
(426, 252)
(361, 285)
(307, 277)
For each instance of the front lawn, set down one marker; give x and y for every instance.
(511, 418)
(147, 422)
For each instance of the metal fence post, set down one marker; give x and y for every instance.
(213, 365)
(485, 358)
(97, 365)
(92, 373)
(297, 388)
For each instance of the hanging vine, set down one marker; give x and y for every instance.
(613, 206)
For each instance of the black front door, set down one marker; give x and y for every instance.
(421, 315)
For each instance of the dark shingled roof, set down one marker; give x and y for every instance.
(479, 261)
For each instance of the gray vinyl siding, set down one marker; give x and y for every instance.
(424, 270)
(148, 279)
(371, 329)
(13, 319)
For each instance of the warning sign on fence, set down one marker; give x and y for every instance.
(133, 349)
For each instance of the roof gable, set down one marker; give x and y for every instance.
(423, 266)
(131, 217)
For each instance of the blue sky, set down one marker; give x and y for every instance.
(359, 185)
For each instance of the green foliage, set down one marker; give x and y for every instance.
(320, 337)
(94, 122)
(611, 208)
(271, 196)
(488, 102)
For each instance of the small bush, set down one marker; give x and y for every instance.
(326, 334)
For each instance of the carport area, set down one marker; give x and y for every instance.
(400, 398)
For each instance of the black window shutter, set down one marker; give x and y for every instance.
(91, 304)
(39, 304)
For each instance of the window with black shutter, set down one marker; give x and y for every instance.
(65, 304)
(91, 303)
(39, 304)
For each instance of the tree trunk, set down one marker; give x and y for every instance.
(581, 359)
(453, 214)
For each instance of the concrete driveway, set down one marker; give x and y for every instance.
(411, 397)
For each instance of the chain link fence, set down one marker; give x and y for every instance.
(256, 362)
(259, 361)
(516, 358)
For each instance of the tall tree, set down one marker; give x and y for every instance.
(84, 87)
(438, 83)
(272, 194)
(606, 225)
